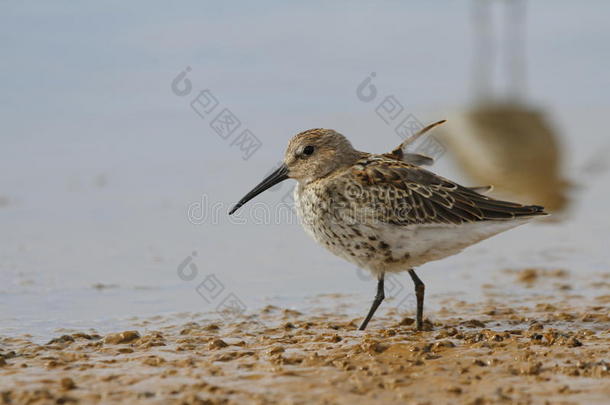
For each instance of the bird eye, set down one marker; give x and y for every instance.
(308, 150)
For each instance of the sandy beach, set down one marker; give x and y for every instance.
(551, 349)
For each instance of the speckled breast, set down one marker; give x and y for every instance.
(324, 216)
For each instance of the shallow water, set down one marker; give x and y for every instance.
(101, 164)
(86, 256)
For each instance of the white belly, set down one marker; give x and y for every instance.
(382, 247)
(425, 243)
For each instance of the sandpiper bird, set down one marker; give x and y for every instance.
(383, 212)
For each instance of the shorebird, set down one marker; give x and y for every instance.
(384, 212)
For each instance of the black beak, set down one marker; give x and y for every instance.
(277, 176)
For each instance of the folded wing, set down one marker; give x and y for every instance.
(399, 193)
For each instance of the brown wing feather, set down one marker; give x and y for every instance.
(403, 194)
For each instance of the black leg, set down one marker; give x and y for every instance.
(378, 298)
(419, 294)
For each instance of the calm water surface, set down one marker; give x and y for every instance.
(100, 161)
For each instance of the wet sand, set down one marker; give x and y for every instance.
(505, 349)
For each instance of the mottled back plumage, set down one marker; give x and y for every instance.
(404, 194)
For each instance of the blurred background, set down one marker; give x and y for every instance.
(128, 130)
